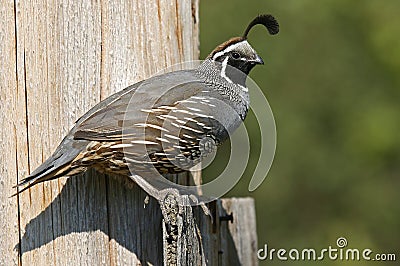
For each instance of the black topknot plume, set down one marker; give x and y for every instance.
(267, 20)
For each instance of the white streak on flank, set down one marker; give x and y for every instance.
(187, 136)
(192, 129)
(145, 142)
(167, 107)
(207, 103)
(191, 119)
(175, 125)
(121, 145)
(178, 147)
(160, 154)
(201, 115)
(193, 109)
(146, 110)
(223, 70)
(162, 140)
(198, 98)
(182, 111)
(154, 110)
(185, 101)
(184, 141)
(171, 136)
(180, 121)
(167, 116)
(229, 49)
(152, 126)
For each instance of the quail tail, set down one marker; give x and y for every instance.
(57, 165)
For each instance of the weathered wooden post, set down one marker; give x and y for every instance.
(57, 59)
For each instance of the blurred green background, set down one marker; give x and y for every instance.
(332, 78)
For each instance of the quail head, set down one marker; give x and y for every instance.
(164, 124)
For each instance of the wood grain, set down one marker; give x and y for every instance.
(12, 101)
(58, 48)
(238, 237)
(67, 56)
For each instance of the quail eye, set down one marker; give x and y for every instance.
(235, 55)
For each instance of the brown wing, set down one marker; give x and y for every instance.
(114, 119)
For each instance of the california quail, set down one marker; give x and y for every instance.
(166, 123)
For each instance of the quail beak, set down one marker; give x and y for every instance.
(258, 60)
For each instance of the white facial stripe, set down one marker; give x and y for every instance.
(229, 49)
(223, 74)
